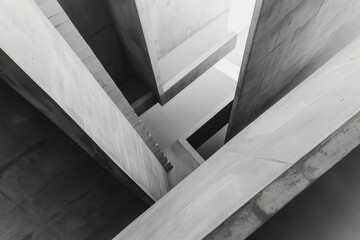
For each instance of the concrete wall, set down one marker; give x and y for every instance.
(128, 26)
(155, 35)
(49, 187)
(328, 210)
(39, 50)
(170, 122)
(57, 16)
(284, 37)
(269, 163)
(173, 22)
(93, 21)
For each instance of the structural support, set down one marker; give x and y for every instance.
(62, 23)
(284, 37)
(170, 44)
(267, 164)
(38, 63)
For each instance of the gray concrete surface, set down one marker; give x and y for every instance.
(76, 41)
(49, 187)
(266, 165)
(68, 94)
(93, 21)
(285, 36)
(327, 210)
(127, 22)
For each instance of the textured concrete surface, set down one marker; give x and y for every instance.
(183, 161)
(170, 122)
(128, 26)
(285, 36)
(267, 164)
(171, 43)
(327, 210)
(58, 18)
(49, 61)
(49, 187)
(196, 68)
(94, 23)
(173, 22)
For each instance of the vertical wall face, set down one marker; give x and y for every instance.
(173, 22)
(92, 19)
(285, 37)
(327, 210)
(269, 163)
(171, 43)
(38, 49)
(127, 23)
(49, 187)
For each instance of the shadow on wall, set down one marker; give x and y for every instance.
(327, 210)
(49, 187)
(341, 39)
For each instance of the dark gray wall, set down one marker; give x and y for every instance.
(93, 21)
(327, 210)
(49, 187)
(128, 26)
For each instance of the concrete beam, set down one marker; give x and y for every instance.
(90, 60)
(47, 181)
(41, 66)
(284, 37)
(170, 44)
(267, 164)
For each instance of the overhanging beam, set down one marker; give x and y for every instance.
(267, 164)
(38, 63)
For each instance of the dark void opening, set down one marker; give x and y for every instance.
(211, 136)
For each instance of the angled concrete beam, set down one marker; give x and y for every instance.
(284, 37)
(171, 43)
(267, 164)
(61, 21)
(42, 67)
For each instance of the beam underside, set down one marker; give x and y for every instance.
(267, 164)
(46, 71)
(60, 20)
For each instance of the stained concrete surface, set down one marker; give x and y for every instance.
(49, 187)
(127, 23)
(173, 22)
(269, 163)
(287, 35)
(327, 210)
(93, 21)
